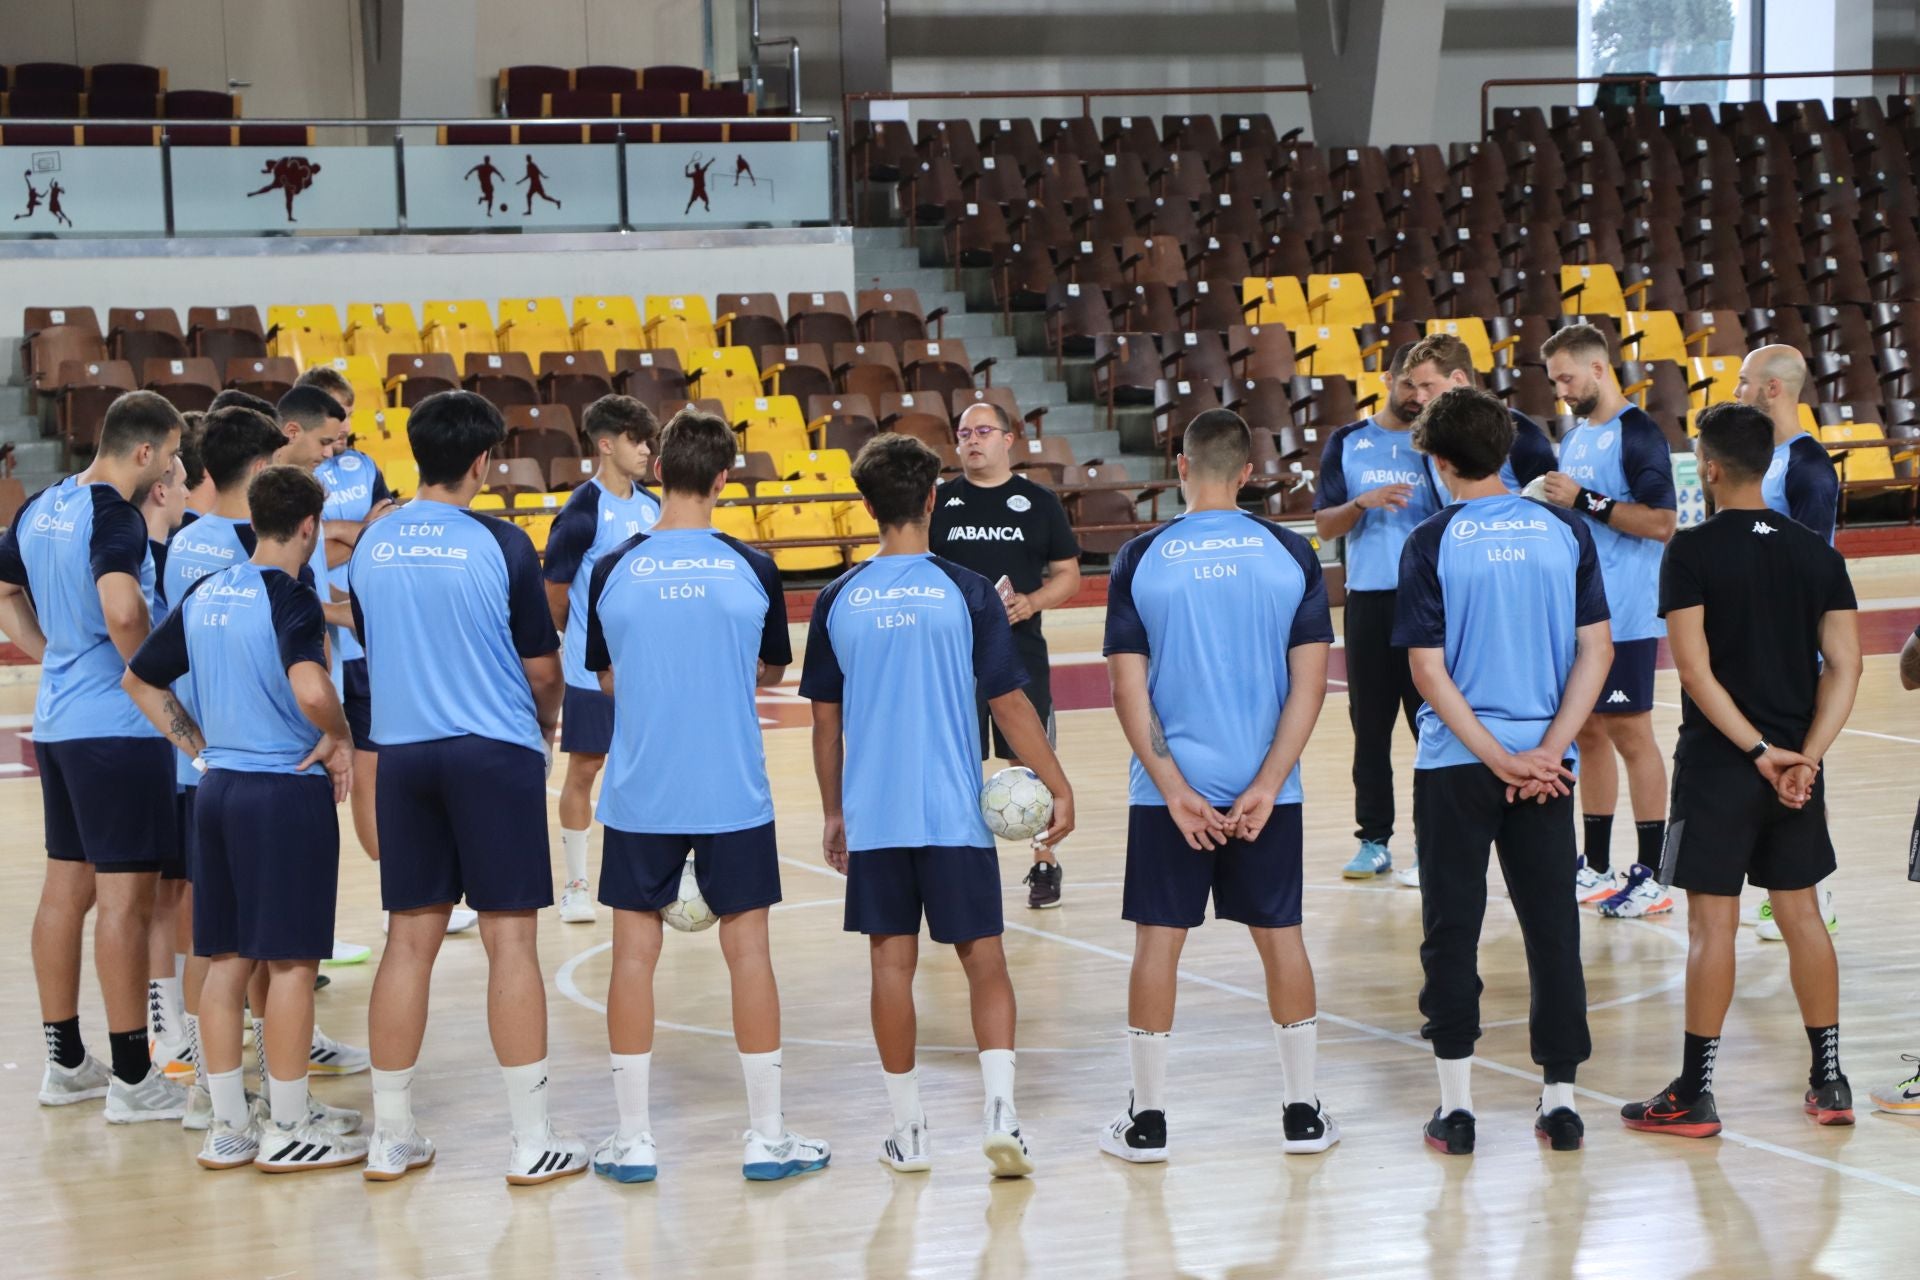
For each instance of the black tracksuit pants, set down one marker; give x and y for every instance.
(1379, 691)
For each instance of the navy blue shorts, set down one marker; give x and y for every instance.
(357, 698)
(586, 722)
(463, 817)
(178, 866)
(266, 871)
(956, 885)
(737, 870)
(1629, 686)
(108, 802)
(1256, 883)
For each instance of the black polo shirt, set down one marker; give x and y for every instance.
(1012, 530)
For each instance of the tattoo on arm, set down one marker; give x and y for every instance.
(180, 726)
(1159, 735)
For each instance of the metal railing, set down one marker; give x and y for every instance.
(1642, 79)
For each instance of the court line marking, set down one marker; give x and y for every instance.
(1858, 733)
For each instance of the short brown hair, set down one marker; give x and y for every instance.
(137, 418)
(1471, 430)
(329, 380)
(279, 498)
(895, 473)
(1576, 340)
(621, 416)
(694, 449)
(1443, 350)
(1217, 444)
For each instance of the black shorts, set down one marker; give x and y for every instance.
(108, 802)
(1729, 828)
(179, 866)
(737, 870)
(586, 722)
(1254, 883)
(357, 698)
(1629, 686)
(463, 817)
(1039, 691)
(267, 870)
(957, 886)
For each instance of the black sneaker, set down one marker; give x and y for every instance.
(1669, 1112)
(1561, 1128)
(1136, 1138)
(1831, 1103)
(1043, 886)
(1307, 1128)
(1451, 1134)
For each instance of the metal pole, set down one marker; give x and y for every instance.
(793, 79)
(835, 178)
(166, 176)
(753, 47)
(620, 166)
(400, 176)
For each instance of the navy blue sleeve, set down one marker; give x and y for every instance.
(1645, 459)
(1419, 608)
(572, 534)
(13, 567)
(1589, 582)
(1313, 619)
(1813, 487)
(528, 618)
(158, 550)
(1125, 632)
(162, 656)
(776, 646)
(379, 492)
(1332, 490)
(997, 667)
(598, 659)
(821, 679)
(1532, 453)
(119, 543)
(298, 623)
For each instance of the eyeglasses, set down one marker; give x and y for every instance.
(965, 434)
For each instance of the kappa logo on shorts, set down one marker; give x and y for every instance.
(1618, 695)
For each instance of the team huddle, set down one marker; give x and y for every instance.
(211, 693)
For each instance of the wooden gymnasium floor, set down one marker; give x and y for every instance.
(1774, 1196)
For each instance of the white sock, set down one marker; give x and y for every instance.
(762, 1071)
(996, 1072)
(1456, 1087)
(155, 1012)
(393, 1100)
(903, 1095)
(229, 1094)
(1555, 1096)
(192, 1022)
(288, 1100)
(1147, 1052)
(260, 1049)
(574, 845)
(1297, 1041)
(527, 1098)
(171, 1008)
(632, 1073)
(179, 964)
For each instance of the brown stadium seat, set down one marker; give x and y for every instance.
(415, 377)
(920, 414)
(871, 369)
(825, 318)
(542, 432)
(504, 377)
(221, 333)
(1126, 369)
(139, 334)
(510, 476)
(894, 315)
(842, 421)
(189, 384)
(268, 377)
(651, 377)
(55, 335)
(795, 369)
(574, 379)
(82, 391)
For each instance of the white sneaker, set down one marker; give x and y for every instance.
(627, 1159)
(345, 953)
(1761, 910)
(461, 919)
(199, 1114)
(340, 1120)
(576, 903)
(229, 1148)
(1590, 886)
(1408, 877)
(154, 1098)
(1137, 1138)
(550, 1155)
(63, 1086)
(394, 1155)
(297, 1148)
(1306, 1128)
(329, 1057)
(1003, 1146)
(174, 1054)
(1642, 895)
(1768, 928)
(769, 1160)
(908, 1150)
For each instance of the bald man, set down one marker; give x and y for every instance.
(1801, 482)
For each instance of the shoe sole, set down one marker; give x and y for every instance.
(177, 1070)
(921, 1165)
(314, 1166)
(68, 1099)
(208, 1162)
(1004, 1153)
(776, 1170)
(1708, 1130)
(142, 1117)
(1042, 906)
(1364, 875)
(1447, 1147)
(628, 1174)
(1658, 909)
(372, 1174)
(337, 962)
(1559, 1143)
(1132, 1155)
(1311, 1146)
(1821, 1116)
(534, 1180)
(1897, 1106)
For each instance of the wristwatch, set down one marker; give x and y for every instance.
(1759, 749)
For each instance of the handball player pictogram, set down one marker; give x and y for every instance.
(291, 176)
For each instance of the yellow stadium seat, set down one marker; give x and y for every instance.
(1808, 423)
(770, 424)
(380, 433)
(1859, 464)
(1713, 380)
(364, 376)
(818, 464)
(1339, 299)
(310, 334)
(534, 325)
(1598, 290)
(1660, 337)
(457, 328)
(1282, 301)
(402, 476)
(681, 321)
(535, 512)
(607, 323)
(1471, 330)
(737, 522)
(800, 520)
(381, 329)
(855, 522)
(1326, 351)
(488, 501)
(726, 374)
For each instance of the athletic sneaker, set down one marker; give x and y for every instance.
(1561, 1128)
(1043, 886)
(1371, 860)
(331, 1058)
(462, 919)
(550, 1155)
(227, 1147)
(1762, 910)
(340, 1120)
(348, 953)
(173, 1054)
(297, 1148)
(1831, 1103)
(1408, 877)
(393, 1155)
(199, 1113)
(63, 1086)
(627, 1159)
(576, 903)
(769, 1161)
(1767, 929)
(1642, 895)
(1590, 886)
(1003, 1146)
(1451, 1134)
(1902, 1099)
(154, 1098)
(1136, 1137)
(908, 1150)
(1667, 1112)
(1306, 1128)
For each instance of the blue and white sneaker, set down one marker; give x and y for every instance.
(627, 1159)
(769, 1161)
(1371, 860)
(1642, 895)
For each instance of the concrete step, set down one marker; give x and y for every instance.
(878, 237)
(878, 260)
